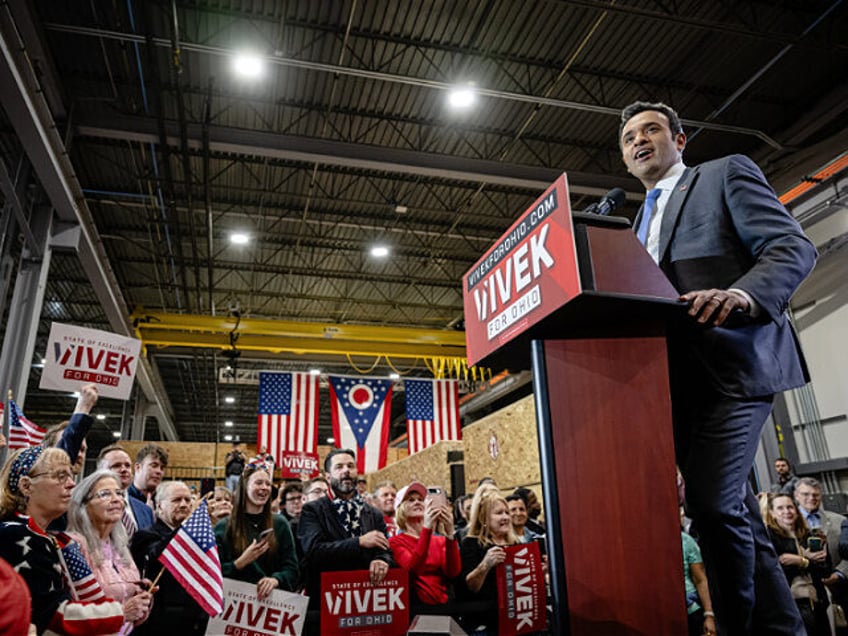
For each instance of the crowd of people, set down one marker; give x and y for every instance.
(118, 520)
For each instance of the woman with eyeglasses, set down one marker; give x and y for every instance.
(35, 489)
(94, 521)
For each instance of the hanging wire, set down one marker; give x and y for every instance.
(368, 370)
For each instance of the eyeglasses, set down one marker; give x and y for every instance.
(319, 492)
(106, 494)
(809, 495)
(56, 475)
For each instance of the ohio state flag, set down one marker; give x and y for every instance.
(362, 409)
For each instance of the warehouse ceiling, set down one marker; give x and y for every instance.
(344, 138)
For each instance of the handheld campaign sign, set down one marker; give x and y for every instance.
(526, 275)
(351, 606)
(76, 355)
(521, 591)
(281, 613)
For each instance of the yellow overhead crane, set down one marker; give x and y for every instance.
(443, 350)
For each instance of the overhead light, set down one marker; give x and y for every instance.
(230, 399)
(401, 209)
(75, 394)
(315, 371)
(248, 65)
(331, 440)
(116, 434)
(394, 376)
(228, 423)
(228, 438)
(44, 361)
(462, 97)
(101, 417)
(239, 238)
(380, 251)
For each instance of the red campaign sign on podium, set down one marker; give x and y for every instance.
(351, 606)
(526, 275)
(521, 591)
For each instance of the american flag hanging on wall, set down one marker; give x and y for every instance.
(432, 412)
(288, 421)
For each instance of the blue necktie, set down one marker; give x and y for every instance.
(647, 214)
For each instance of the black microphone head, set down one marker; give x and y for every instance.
(616, 197)
(611, 200)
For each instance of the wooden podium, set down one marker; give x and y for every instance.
(600, 378)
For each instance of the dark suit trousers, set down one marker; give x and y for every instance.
(716, 438)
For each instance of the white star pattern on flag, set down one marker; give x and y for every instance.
(288, 414)
(84, 581)
(432, 412)
(191, 556)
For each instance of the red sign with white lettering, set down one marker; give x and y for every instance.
(351, 606)
(521, 591)
(298, 465)
(530, 272)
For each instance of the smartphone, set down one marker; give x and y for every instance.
(814, 544)
(264, 534)
(437, 495)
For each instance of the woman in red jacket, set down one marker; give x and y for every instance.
(426, 546)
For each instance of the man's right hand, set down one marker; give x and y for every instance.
(374, 539)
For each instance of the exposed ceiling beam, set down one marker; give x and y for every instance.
(181, 330)
(350, 155)
(29, 113)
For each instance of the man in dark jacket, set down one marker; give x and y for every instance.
(343, 533)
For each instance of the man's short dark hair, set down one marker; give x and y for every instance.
(152, 449)
(292, 486)
(333, 453)
(108, 449)
(630, 111)
(783, 459)
(514, 497)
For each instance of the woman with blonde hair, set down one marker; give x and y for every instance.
(803, 557)
(35, 489)
(482, 550)
(426, 546)
(254, 544)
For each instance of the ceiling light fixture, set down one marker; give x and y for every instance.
(248, 65)
(394, 376)
(239, 238)
(228, 438)
(331, 440)
(101, 417)
(462, 97)
(230, 399)
(315, 371)
(116, 434)
(380, 251)
(228, 423)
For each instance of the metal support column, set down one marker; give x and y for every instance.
(25, 309)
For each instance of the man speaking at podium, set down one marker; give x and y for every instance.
(736, 255)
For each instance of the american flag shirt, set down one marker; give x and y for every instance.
(35, 555)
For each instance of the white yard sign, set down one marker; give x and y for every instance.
(77, 356)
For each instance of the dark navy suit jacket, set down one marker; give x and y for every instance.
(723, 227)
(328, 548)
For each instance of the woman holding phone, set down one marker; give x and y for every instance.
(803, 557)
(426, 546)
(255, 545)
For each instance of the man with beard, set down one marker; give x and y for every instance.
(174, 611)
(343, 533)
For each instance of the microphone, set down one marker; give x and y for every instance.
(610, 201)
